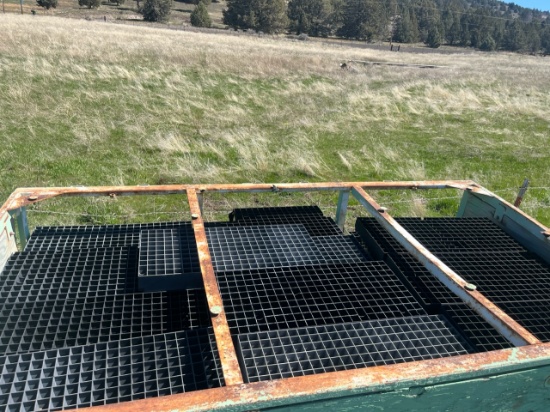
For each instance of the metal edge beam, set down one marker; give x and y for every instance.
(363, 381)
(503, 323)
(26, 196)
(228, 356)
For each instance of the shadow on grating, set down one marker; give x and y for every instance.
(297, 352)
(280, 298)
(111, 372)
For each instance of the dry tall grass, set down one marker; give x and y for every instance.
(97, 103)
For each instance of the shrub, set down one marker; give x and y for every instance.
(200, 16)
(156, 10)
(91, 4)
(47, 4)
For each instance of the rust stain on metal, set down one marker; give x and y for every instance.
(228, 356)
(512, 330)
(20, 197)
(366, 380)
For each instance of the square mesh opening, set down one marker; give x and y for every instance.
(318, 349)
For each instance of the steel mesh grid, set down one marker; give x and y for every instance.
(41, 325)
(318, 349)
(432, 291)
(429, 289)
(459, 234)
(481, 334)
(247, 213)
(160, 253)
(502, 276)
(70, 273)
(67, 237)
(339, 249)
(280, 298)
(187, 309)
(533, 316)
(309, 216)
(111, 372)
(235, 248)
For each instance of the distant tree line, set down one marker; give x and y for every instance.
(482, 24)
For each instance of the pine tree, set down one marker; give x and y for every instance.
(514, 37)
(310, 17)
(269, 16)
(361, 20)
(200, 16)
(156, 10)
(434, 37)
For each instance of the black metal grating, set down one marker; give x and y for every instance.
(111, 372)
(429, 289)
(310, 217)
(280, 298)
(69, 273)
(58, 323)
(258, 247)
(255, 212)
(480, 333)
(34, 326)
(297, 352)
(187, 309)
(168, 260)
(502, 276)
(459, 234)
(534, 316)
(78, 237)
(340, 249)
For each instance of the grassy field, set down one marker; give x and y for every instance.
(127, 12)
(94, 103)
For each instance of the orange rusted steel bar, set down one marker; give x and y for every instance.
(25, 196)
(508, 327)
(228, 357)
(357, 382)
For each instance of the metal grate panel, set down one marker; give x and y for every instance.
(459, 234)
(78, 237)
(533, 316)
(70, 273)
(35, 326)
(340, 249)
(168, 260)
(59, 322)
(280, 298)
(111, 372)
(502, 276)
(250, 213)
(481, 334)
(297, 352)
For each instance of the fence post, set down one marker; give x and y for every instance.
(521, 192)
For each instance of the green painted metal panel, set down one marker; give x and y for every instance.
(527, 390)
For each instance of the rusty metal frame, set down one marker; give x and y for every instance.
(239, 396)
